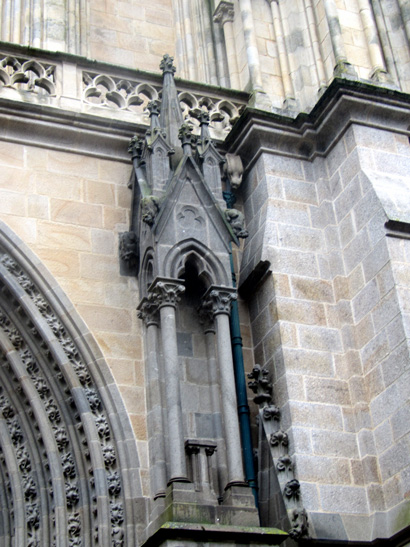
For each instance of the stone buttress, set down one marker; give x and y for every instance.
(180, 235)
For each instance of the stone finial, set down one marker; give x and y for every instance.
(224, 13)
(237, 221)
(149, 208)
(167, 64)
(135, 147)
(187, 138)
(219, 300)
(154, 108)
(233, 170)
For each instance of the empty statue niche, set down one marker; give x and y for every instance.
(196, 351)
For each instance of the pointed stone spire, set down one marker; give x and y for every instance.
(171, 113)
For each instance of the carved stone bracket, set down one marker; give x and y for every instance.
(218, 300)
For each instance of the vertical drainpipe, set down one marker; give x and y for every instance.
(240, 383)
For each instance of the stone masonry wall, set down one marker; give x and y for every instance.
(329, 325)
(132, 33)
(69, 210)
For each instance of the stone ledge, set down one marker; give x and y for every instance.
(215, 535)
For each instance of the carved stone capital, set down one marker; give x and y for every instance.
(224, 13)
(166, 292)
(218, 300)
(148, 311)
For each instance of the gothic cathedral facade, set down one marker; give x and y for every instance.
(205, 273)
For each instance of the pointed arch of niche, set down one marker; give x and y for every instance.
(208, 265)
(69, 469)
(148, 271)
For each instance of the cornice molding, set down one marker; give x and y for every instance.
(307, 136)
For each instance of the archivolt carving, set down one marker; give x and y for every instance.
(56, 433)
(27, 74)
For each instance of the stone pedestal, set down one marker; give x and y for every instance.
(175, 534)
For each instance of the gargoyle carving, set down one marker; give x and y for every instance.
(128, 248)
(237, 221)
(233, 170)
(150, 208)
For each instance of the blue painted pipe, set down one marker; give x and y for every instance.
(240, 382)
